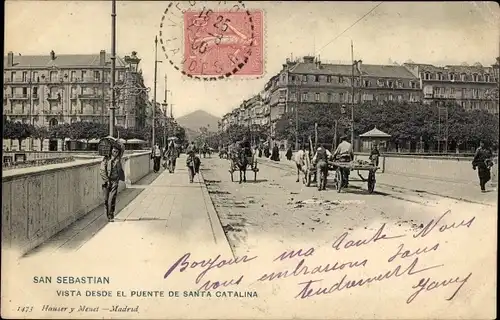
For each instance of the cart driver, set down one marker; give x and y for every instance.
(344, 153)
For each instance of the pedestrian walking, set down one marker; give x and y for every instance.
(112, 173)
(482, 161)
(156, 155)
(288, 154)
(275, 154)
(374, 155)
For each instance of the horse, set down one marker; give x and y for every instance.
(240, 160)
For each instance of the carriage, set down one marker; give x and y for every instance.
(338, 179)
(234, 160)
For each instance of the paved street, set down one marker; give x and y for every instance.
(164, 216)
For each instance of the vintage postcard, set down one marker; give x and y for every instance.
(250, 160)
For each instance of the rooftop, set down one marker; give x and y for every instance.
(383, 71)
(60, 61)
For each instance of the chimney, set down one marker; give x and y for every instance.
(10, 59)
(52, 55)
(308, 59)
(102, 58)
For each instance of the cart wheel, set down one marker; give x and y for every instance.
(371, 182)
(338, 180)
(308, 178)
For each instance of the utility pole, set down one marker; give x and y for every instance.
(335, 136)
(439, 127)
(165, 115)
(352, 94)
(154, 90)
(113, 69)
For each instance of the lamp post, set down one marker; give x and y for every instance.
(113, 70)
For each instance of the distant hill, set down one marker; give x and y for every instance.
(198, 119)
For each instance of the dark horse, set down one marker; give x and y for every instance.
(242, 163)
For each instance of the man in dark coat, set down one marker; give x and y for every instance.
(482, 161)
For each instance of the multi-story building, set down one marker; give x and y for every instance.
(47, 90)
(311, 82)
(472, 87)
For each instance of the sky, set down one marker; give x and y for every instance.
(424, 32)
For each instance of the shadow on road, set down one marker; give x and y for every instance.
(82, 230)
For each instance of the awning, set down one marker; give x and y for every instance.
(136, 141)
(375, 133)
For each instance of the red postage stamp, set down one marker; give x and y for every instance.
(223, 43)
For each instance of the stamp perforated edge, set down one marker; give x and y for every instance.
(237, 77)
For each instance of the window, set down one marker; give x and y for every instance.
(316, 98)
(475, 93)
(440, 76)
(413, 84)
(391, 97)
(380, 82)
(34, 76)
(462, 77)
(316, 78)
(73, 76)
(452, 76)
(399, 84)
(328, 79)
(13, 76)
(25, 76)
(487, 78)
(475, 77)
(400, 98)
(390, 84)
(35, 91)
(25, 92)
(293, 78)
(341, 79)
(452, 91)
(464, 92)
(53, 76)
(341, 97)
(293, 96)
(329, 97)
(367, 83)
(304, 78)
(427, 76)
(304, 96)
(84, 75)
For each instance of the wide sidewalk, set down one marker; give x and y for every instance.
(167, 214)
(452, 189)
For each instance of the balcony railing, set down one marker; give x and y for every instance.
(20, 96)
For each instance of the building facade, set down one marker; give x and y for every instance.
(310, 82)
(47, 90)
(472, 87)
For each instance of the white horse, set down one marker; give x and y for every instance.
(303, 164)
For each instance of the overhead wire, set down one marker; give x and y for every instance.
(352, 25)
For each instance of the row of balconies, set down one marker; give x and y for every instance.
(57, 112)
(451, 96)
(59, 80)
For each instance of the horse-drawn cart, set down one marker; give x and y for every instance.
(338, 179)
(238, 165)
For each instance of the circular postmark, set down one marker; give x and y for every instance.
(208, 40)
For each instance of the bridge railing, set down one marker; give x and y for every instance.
(38, 202)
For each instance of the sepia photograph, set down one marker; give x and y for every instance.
(250, 159)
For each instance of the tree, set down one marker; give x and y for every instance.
(19, 131)
(41, 133)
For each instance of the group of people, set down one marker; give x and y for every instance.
(169, 155)
(321, 159)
